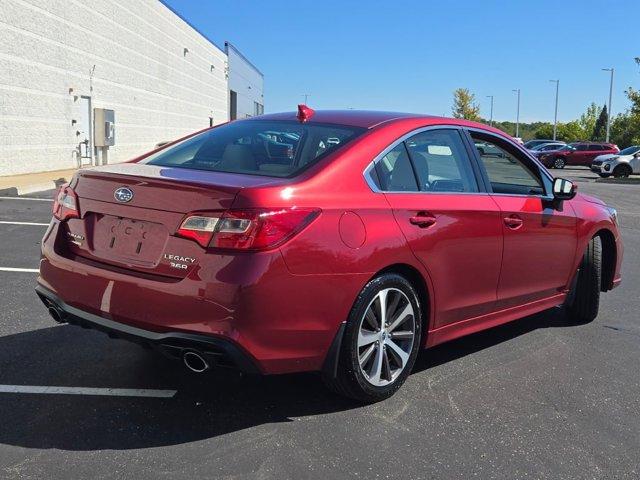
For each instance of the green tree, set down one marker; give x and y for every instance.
(588, 119)
(544, 131)
(571, 131)
(625, 130)
(600, 128)
(464, 105)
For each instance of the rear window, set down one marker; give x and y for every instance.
(256, 147)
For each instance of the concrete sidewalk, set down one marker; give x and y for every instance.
(34, 182)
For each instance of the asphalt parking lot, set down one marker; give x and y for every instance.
(533, 399)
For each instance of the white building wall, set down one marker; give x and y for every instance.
(158, 92)
(246, 80)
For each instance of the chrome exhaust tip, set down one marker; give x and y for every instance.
(56, 314)
(194, 361)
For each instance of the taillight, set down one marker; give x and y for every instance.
(65, 204)
(250, 229)
(198, 228)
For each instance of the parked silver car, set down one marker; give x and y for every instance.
(620, 165)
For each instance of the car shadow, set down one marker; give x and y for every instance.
(205, 406)
(447, 352)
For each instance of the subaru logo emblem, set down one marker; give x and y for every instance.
(123, 194)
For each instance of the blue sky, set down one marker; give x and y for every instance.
(410, 55)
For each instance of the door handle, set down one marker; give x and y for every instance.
(513, 221)
(422, 220)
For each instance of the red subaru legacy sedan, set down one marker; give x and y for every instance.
(332, 241)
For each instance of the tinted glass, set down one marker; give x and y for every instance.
(630, 150)
(582, 147)
(395, 173)
(595, 148)
(441, 161)
(255, 147)
(508, 171)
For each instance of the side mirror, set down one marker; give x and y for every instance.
(636, 155)
(564, 189)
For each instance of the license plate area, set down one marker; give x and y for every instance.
(128, 240)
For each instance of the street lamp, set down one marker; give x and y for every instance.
(555, 117)
(517, 90)
(306, 96)
(491, 114)
(610, 94)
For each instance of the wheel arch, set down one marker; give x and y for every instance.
(418, 281)
(622, 166)
(609, 257)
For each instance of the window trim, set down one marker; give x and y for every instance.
(545, 176)
(367, 173)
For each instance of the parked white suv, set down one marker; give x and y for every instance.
(621, 164)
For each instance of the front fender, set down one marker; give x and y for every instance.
(592, 220)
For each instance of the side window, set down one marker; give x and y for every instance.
(395, 173)
(582, 147)
(508, 172)
(441, 161)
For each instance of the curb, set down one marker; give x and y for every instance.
(27, 189)
(620, 181)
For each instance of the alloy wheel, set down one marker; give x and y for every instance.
(558, 163)
(385, 337)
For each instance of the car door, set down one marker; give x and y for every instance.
(452, 227)
(635, 162)
(591, 154)
(539, 240)
(580, 155)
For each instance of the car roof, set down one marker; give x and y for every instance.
(354, 118)
(369, 119)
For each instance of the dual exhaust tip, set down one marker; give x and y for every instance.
(192, 359)
(56, 314)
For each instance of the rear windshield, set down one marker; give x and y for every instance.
(256, 147)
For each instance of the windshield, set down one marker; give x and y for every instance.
(567, 147)
(630, 150)
(270, 148)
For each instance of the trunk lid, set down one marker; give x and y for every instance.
(137, 234)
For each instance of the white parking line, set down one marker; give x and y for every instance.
(24, 223)
(28, 198)
(11, 269)
(109, 392)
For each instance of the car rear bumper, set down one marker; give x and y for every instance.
(281, 322)
(219, 352)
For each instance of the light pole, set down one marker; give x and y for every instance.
(491, 114)
(555, 117)
(517, 90)
(610, 95)
(306, 96)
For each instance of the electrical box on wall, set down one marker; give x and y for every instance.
(104, 127)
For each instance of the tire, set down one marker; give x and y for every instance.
(559, 162)
(358, 375)
(622, 171)
(586, 291)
